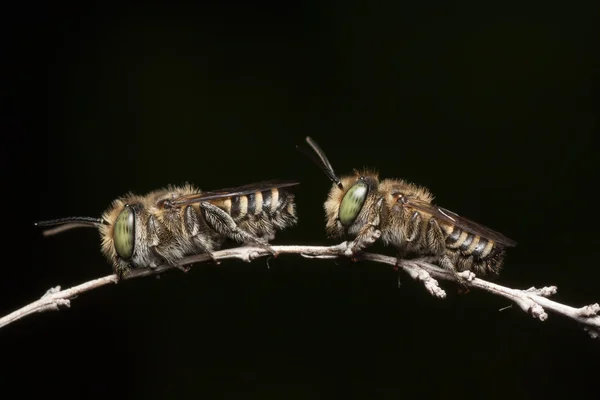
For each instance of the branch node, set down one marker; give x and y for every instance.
(434, 288)
(546, 291)
(537, 311)
(339, 248)
(415, 271)
(467, 275)
(589, 311)
(55, 305)
(361, 242)
(51, 291)
(248, 254)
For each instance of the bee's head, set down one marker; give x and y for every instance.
(347, 197)
(346, 207)
(120, 234)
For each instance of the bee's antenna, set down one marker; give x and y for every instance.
(64, 224)
(321, 161)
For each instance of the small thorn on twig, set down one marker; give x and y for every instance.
(184, 268)
(505, 308)
(267, 262)
(55, 305)
(51, 291)
(63, 303)
(396, 266)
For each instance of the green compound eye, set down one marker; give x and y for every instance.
(124, 233)
(352, 203)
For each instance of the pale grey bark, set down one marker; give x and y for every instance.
(533, 301)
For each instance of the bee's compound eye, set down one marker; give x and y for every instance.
(352, 203)
(124, 233)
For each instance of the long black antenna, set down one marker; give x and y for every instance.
(64, 224)
(321, 160)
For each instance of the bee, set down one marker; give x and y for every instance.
(401, 214)
(168, 224)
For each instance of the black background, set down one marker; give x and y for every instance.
(494, 108)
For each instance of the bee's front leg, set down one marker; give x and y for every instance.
(121, 268)
(366, 237)
(368, 233)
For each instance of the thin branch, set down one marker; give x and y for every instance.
(533, 301)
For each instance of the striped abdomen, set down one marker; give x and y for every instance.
(470, 244)
(265, 203)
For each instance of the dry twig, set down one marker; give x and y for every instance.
(533, 301)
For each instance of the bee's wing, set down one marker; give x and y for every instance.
(229, 192)
(449, 217)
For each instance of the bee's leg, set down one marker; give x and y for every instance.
(436, 244)
(121, 268)
(367, 236)
(192, 226)
(446, 263)
(222, 223)
(267, 230)
(206, 250)
(399, 256)
(465, 267)
(160, 254)
(268, 236)
(412, 233)
(414, 227)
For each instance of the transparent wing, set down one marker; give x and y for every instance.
(230, 192)
(449, 217)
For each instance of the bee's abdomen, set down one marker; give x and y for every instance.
(470, 244)
(267, 202)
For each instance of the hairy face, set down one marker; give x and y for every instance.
(348, 207)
